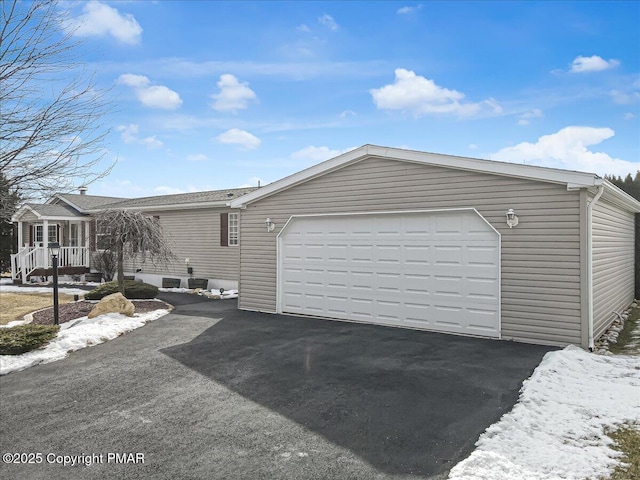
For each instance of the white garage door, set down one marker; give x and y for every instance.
(430, 270)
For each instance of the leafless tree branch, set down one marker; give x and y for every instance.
(51, 133)
(133, 235)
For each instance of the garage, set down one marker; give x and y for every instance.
(435, 242)
(435, 270)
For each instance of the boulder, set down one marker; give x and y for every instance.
(114, 303)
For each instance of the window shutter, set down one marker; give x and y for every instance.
(32, 234)
(224, 229)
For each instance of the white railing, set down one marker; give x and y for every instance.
(28, 259)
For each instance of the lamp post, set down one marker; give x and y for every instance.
(54, 249)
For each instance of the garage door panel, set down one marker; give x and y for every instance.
(437, 271)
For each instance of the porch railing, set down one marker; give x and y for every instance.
(29, 259)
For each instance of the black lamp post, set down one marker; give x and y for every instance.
(54, 249)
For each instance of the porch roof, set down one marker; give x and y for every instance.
(47, 212)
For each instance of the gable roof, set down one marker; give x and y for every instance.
(177, 201)
(572, 179)
(84, 203)
(55, 211)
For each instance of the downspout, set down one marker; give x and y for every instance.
(590, 261)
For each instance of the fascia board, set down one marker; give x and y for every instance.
(619, 197)
(71, 204)
(16, 216)
(570, 178)
(159, 208)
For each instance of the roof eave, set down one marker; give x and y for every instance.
(621, 198)
(156, 208)
(570, 178)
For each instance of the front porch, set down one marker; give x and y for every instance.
(36, 261)
(40, 225)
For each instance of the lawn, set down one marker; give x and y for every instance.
(17, 305)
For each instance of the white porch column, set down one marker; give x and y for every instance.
(86, 242)
(20, 245)
(45, 242)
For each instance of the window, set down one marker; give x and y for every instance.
(233, 229)
(73, 235)
(38, 233)
(53, 233)
(39, 236)
(103, 232)
(229, 232)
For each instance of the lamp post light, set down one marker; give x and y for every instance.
(54, 250)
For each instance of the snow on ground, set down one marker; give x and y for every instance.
(225, 295)
(77, 334)
(17, 289)
(557, 428)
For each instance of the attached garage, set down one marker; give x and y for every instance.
(448, 244)
(437, 270)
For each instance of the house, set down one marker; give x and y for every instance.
(442, 243)
(200, 227)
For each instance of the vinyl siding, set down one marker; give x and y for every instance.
(194, 234)
(540, 258)
(613, 263)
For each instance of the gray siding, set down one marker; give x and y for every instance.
(540, 258)
(194, 234)
(613, 263)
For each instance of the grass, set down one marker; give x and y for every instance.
(625, 336)
(17, 305)
(627, 441)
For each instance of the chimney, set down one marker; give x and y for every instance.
(83, 190)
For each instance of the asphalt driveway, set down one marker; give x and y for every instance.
(212, 392)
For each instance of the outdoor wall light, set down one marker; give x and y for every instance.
(270, 225)
(512, 218)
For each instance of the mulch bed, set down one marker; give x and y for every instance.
(73, 310)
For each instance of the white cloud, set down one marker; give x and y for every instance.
(473, 146)
(303, 28)
(152, 96)
(129, 135)
(348, 113)
(99, 20)
(253, 182)
(567, 149)
(525, 118)
(235, 136)
(594, 63)
(233, 96)
(408, 10)
(198, 157)
(328, 21)
(421, 96)
(165, 190)
(624, 98)
(629, 116)
(318, 154)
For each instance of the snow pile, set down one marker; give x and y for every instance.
(213, 294)
(78, 334)
(557, 428)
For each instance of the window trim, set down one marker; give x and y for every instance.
(233, 229)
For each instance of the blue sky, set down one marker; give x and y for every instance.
(212, 95)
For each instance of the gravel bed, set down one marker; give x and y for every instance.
(73, 310)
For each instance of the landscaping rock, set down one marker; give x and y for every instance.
(114, 303)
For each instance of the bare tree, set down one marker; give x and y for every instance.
(50, 110)
(134, 235)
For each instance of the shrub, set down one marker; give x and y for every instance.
(132, 290)
(24, 338)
